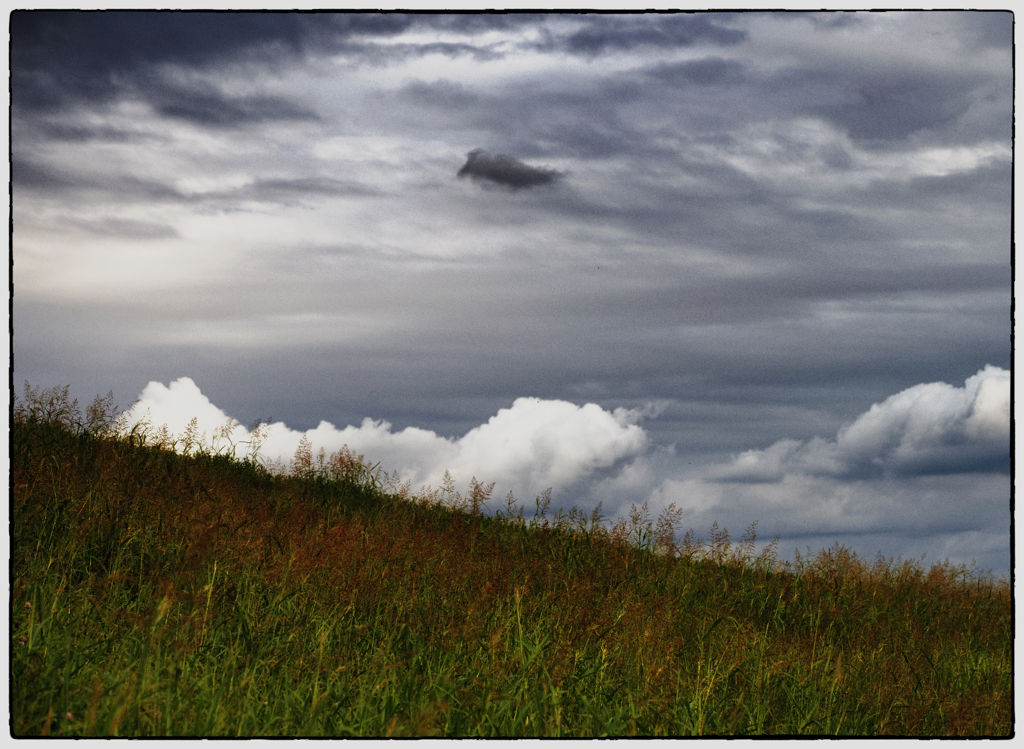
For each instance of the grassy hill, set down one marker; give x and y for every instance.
(156, 593)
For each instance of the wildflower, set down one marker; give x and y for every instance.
(28, 605)
(70, 717)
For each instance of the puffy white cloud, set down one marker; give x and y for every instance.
(175, 406)
(990, 418)
(531, 446)
(933, 428)
(547, 443)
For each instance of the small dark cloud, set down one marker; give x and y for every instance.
(505, 170)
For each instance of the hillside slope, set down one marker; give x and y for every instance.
(156, 593)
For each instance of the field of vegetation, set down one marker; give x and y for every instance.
(163, 588)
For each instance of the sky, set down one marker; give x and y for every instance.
(753, 264)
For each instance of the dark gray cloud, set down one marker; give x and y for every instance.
(59, 58)
(27, 174)
(208, 108)
(505, 171)
(34, 177)
(62, 56)
(623, 33)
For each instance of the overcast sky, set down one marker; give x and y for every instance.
(754, 264)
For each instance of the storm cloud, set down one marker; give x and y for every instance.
(504, 170)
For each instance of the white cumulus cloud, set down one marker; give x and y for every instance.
(928, 429)
(531, 446)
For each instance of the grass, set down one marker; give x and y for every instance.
(187, 592)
